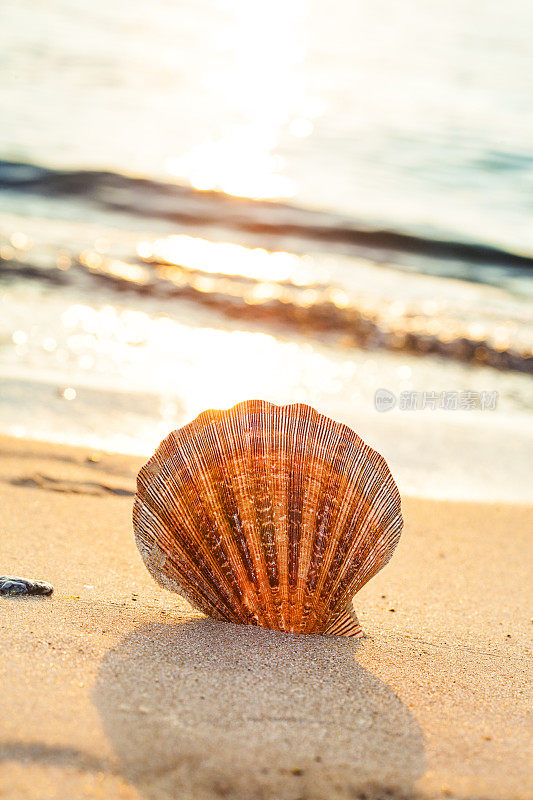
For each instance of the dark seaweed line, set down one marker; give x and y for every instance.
(325, 317)
(177, 203)
(320, 317)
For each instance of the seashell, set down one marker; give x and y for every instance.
(12, 586)
(267, 515)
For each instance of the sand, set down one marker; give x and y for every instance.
(113, 688)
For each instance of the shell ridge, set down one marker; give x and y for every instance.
(223, 512)
(295, 510)
(321, 459)
(351, 524)
(281, 511)
(198, 597)
(247, 569)
(251, 435)
(308, 462)
(186, 561)
(239, 441)
(268, 453)
(349, 503)
(193, 495)
(359, 547)
(327, 508)
(262, 508)
(345, 624)
(187, 501)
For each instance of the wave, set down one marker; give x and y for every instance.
(315, 309)
(150, 198)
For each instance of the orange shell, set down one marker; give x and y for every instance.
(267, 515)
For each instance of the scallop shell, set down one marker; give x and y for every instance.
(267, 515)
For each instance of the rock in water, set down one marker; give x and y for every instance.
(11, 586)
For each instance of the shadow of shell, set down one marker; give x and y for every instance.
(204, 710)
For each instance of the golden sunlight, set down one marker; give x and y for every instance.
(225, 258)
(263, 88)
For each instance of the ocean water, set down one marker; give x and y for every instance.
(204, 202)
(416, 116)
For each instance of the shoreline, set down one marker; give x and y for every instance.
(375, 304)
(117, 689)
(474, 455)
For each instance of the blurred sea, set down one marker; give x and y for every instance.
(203, 202)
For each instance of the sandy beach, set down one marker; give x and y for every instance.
(114, 688)
(204, 204)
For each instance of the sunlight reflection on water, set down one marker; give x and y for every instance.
(263, 82)
(121, 376)
(132, 350)
(225, 258)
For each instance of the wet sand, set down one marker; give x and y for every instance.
(113, 688)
